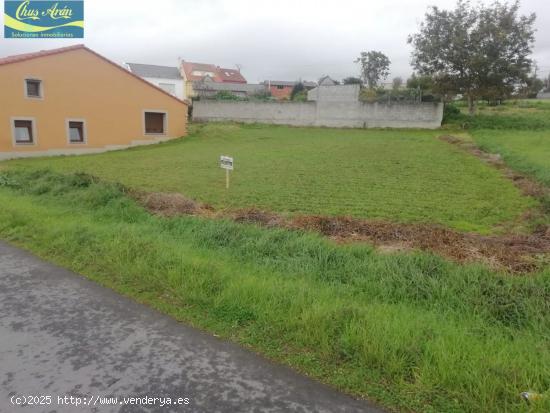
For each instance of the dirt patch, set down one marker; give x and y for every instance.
(256, 216)
(450, 139)
(513, 253)
(171, 204)
(527, 186)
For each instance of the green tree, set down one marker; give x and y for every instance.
(420, 82)
(397, 82)
(352, 81)
(533, 85)
(475, 51)
(375, 66)
(297, 89)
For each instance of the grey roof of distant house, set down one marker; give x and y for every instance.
(163, 72)
(289, 83)
(327, 81)
(231, 87)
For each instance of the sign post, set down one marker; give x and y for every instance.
(226, 162)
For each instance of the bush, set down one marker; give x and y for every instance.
(263, 95)
(298, 89)
(450, 112)
(300, 96)
(227, 95)
(390, 96)
(368, 95)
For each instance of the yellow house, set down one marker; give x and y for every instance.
(72, 101)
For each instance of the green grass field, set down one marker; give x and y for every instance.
(512, 115)
(525, 151)
(398, 175)
(411, 331)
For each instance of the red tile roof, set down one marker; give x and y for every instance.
(27, 56)
(190, 67)
(220, 74)
(42, 53)
(231, 75)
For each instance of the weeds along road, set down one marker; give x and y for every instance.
(68, 344)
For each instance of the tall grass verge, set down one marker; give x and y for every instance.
(411, 331)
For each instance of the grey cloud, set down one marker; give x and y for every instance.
(279, 40)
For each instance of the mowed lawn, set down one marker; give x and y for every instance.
(398, 175)
(526, 151)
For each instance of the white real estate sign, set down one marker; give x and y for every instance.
(226, 162)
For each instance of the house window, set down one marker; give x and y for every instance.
(76, 131)
(23, 131)
(155, 123)
(33, 88)
(280, 87)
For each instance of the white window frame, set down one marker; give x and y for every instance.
(34, 131)
(84, 131)
(164, 126)
(40, 89)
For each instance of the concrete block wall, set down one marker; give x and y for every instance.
(323, 113)
(297, 114)
(335, 93)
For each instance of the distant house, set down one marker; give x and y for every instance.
(544, 94)
(195, 72)
(327, 81)
(167, 78)
(207, 88)
(72, 101)
(282, 89)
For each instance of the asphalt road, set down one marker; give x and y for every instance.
(62, 335)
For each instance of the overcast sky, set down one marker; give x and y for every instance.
(277, 40)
